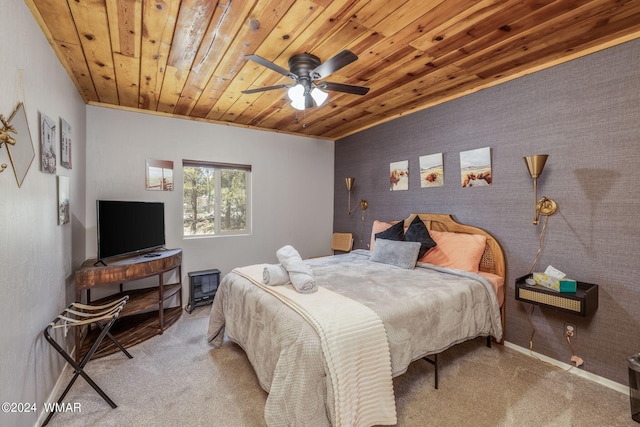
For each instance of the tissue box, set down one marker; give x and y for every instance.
(555, 283)
(568, 285)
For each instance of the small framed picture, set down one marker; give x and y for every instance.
(475, 167)
(159, 176)
(47, 144)
(431, 171)
(399, 175)
(64, 207)
(65, 144)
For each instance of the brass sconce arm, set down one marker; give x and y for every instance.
(544, 206)
(363, 207)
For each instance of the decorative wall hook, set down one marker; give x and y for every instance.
(4, 132)
(5, 138)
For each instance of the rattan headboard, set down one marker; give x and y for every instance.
(492, 260)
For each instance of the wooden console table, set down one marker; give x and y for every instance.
(145, 314)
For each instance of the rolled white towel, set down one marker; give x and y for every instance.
(274, 275)
(300, 273)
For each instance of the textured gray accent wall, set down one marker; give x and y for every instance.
(586, 115)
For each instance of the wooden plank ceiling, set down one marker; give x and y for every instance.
(187, 58)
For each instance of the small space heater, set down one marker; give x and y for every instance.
(203, 286)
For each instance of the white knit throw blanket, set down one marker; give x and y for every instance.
(355, 347)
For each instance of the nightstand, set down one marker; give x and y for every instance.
(583, 302)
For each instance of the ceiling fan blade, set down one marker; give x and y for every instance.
(278, 69)
(264, 89)
(333, 64)
(343, 87)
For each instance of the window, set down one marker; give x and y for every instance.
(216, 199)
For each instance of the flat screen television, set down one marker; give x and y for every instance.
(129, 227)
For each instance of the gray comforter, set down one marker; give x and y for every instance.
(424, 310)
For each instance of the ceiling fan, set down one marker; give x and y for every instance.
(306, 70)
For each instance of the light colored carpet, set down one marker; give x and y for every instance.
(177, 379)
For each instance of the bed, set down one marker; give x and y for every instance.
(423, 310)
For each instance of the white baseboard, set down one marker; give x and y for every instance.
(576, 371)
(57, 390)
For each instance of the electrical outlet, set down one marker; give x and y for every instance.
(570, 329)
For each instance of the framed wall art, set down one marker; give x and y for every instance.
(431, 171)
(475, 167)
(399, 175)
(47, 144)
(65, 144)
(64, 206)
(159, 176)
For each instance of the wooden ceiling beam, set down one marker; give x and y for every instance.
(159, 21)
(90, 19)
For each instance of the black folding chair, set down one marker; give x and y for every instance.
(76, 314)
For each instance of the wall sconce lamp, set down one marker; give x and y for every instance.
(363, 207)
(544, 206)
(349, 182)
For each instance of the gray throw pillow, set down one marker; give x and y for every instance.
(393, 252)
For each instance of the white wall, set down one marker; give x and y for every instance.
(292, 200)
(38, 256)
(292, 183)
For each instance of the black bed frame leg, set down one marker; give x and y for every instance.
(436, 370)
(434, 362)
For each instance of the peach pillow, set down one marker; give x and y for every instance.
(456, 250)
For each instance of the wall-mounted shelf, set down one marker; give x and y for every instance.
(583, 302)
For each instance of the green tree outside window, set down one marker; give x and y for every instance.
(216, 198)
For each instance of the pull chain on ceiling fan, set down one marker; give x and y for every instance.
(306, 70)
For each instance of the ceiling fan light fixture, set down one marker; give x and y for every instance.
(296, 92)
(298, 104)
(296, 95)
(305, 69)
(319, 96)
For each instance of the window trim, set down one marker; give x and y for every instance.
(218, 166)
